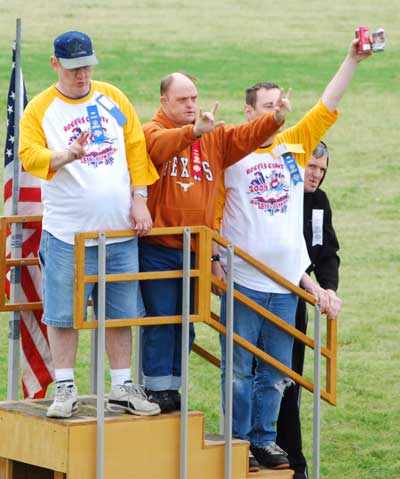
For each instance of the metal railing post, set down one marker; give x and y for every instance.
(93, 362)
(138, 356)
(14, 323)
(317, 394)
(221, 419)
(101, 319)
(228, 364)
(185, 354)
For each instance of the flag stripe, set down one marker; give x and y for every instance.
(30, 384)
(29, 194)
(8, 190)
(34, 359)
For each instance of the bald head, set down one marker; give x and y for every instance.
(169, 79)
(179, 98)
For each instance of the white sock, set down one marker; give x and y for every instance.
(119, 376)
(64, 375)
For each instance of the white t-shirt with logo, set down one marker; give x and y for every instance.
(92, 193)
(263, 216)
(262, 205)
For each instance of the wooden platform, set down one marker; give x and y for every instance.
(33, 446)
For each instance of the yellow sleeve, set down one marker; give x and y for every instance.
(141, 169)
(33, 151)
(219, 212)
(309, 130)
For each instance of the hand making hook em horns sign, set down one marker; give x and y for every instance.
(205, 122)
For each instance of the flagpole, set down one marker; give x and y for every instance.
(16, 236)
(17, 113)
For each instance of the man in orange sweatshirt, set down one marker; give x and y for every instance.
(190, 149)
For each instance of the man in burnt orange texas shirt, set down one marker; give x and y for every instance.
(190, 149)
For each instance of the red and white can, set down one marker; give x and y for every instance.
(378, 40)
(364, 45)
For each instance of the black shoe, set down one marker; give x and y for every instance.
(300, 475)
(271, 456)
(163, 398)
(254, 466)
(176, 398)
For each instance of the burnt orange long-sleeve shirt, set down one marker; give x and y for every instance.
(177, 199)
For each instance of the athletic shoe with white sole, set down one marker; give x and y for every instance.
(65, 401)
(271, 456)
(132, 399)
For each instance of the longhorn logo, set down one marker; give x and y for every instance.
(185, 186)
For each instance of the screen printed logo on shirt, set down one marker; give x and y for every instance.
(97, 154)
(269, 185)
(270, 191)
(179, 167)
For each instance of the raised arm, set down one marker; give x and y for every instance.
(164, 143)
(337, 86)
(240, 140)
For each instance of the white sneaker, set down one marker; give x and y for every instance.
(132, 399)
(65, 401)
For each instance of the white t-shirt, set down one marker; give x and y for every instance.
(263, 215)
(262, 205)
(92, 193)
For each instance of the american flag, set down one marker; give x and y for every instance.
(37, 369)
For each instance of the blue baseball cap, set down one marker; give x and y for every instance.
(74, 50)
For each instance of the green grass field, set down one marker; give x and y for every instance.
(230, 45)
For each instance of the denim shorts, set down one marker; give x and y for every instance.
(123, 299)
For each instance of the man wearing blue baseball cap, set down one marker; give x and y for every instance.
(84, 140)
(74, 50)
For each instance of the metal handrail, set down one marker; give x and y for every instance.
(204, 280)
(203, 275)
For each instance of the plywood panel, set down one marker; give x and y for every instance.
(135, 447)
(34, 440)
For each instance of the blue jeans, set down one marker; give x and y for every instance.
(123, 299)
(162, 344)
(257, 397)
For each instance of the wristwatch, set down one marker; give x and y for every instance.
(142, 191)
(215, 257)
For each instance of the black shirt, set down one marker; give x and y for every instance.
(324, 259)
